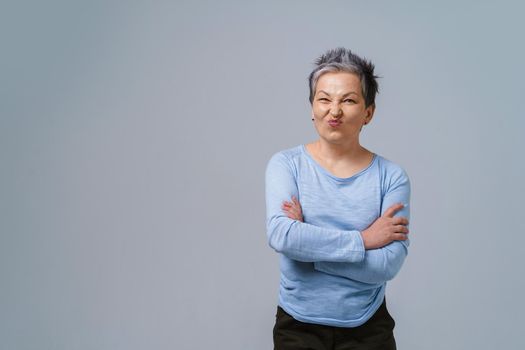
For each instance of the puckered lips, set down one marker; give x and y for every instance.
(334, 123)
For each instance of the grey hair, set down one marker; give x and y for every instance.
(343, 60)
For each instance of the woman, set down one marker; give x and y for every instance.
(338, 215)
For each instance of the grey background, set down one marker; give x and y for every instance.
(134, 139)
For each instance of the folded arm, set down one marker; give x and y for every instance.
(381, 264)
(378, 266)
(298, 240)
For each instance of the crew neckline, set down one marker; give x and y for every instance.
(326, 172)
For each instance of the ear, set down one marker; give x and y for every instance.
(369, 113)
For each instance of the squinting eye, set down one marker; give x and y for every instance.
(323, 99)
(350, 101)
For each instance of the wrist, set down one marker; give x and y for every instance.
(363, 238)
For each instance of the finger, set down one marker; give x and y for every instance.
(392, 210)
(399, 220)
(295, 207)
(289, 212)
(401, 228)
(289, 209)
(291, 216)
(400, 237)
(285, 209)
(294, 210)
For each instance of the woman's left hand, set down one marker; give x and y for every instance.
(293, 209)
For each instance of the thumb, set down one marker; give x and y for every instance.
(392, 210)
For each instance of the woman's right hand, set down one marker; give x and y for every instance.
(293, 209)
(386, 229)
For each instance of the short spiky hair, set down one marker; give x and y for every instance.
(343, 60)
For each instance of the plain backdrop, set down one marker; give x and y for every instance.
(134, 138)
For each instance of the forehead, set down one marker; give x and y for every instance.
(339, 83)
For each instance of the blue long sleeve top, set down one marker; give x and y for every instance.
(326, 275)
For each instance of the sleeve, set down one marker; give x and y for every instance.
(382, 264)
(298, 240)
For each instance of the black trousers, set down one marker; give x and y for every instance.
(376, 333)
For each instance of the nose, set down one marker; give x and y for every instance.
(335, 111)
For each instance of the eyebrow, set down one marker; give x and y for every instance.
(348, 93)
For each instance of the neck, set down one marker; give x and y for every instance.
(336, 152)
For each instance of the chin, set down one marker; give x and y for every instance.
(331, 139)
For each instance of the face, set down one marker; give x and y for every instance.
(338, 107)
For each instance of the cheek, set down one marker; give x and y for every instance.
(319, 110)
